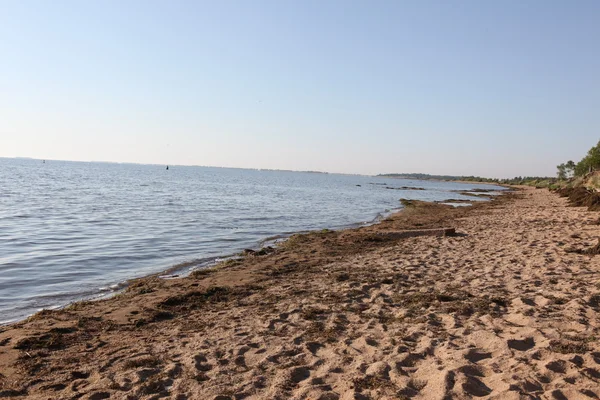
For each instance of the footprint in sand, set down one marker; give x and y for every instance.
(79, 375)
(592, 373)
(201, 363)
(313, 347)
(558, 366)
(412, 388)
(56, 387)
(288, 379)
(472, 370)
(521, 345)
(558, 395)
(408, 360)
(99, 396)
(299, 374)
(528, 386)
(476, 355)
(379, 369)
(475, 387)
(240, 361)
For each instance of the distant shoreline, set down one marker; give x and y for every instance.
(537, 181)
(448, 180)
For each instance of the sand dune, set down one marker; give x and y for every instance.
(500, 310)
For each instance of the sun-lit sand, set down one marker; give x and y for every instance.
(502, 309)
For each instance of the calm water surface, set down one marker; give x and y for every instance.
(74, 230)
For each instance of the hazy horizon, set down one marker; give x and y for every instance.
(488, 89)
(251, 168)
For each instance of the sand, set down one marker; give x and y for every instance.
(502, 309)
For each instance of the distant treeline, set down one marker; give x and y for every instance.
(518, 180)
(581, 171)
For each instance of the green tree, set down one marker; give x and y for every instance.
(561, 172)
(570, 168)
(593, 156)
(590, 162)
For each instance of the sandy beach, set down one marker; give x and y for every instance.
(504, 308)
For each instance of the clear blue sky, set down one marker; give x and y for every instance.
(494, 88)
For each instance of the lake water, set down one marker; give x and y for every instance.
(74, 230)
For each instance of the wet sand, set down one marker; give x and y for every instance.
(503, 308)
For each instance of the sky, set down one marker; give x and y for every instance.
(489, 88)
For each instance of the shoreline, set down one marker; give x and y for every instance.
(185, 268)
(399, 308)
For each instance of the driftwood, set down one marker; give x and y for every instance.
(418, 232)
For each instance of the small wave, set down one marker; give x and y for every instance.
(113, 288)
(275, 237)
(255, 219)
(184, 268)
(384, 214)
(274, 240)
(457, 204)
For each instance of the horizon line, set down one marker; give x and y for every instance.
(387, 174)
